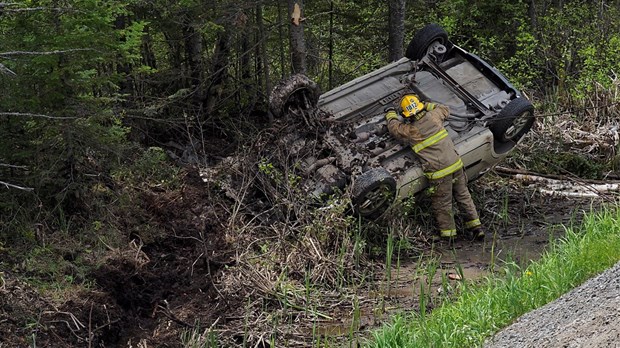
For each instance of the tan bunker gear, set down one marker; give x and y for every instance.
(441, 163)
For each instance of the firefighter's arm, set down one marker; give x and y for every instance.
(398, 129)
(439, 111)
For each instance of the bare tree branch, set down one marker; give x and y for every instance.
(8, 4)
(4, 7)
(12, 166)
(25, 114)
(32, 9)
(7, 185)
(44, 53)
(6, 70)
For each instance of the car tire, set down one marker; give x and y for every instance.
(423, 39)
(295, 92)
(511, 124)
(373, 192)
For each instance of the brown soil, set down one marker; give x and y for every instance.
(192, 279)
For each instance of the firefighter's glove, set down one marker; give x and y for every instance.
(390, 113)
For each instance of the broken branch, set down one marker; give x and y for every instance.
(44, 53)
(7, 185)
(26, 114)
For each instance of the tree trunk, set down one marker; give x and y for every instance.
(281, 39)
(175, 58)
(331, 45)
(396, 29)
(263, 59)
(193, 50)
(298, 44)
(219, 70)
(148, 55)
(124, 69)
(193, 59)
(244, 59)
(531, 11)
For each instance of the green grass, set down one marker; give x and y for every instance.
(483, 309)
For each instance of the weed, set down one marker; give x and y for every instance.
(195, 337)
(356, 322)
(151, 168)
(388, 261)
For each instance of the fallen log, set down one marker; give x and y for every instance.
(564, 185)
(512, 171)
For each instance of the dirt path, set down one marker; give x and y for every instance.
(587, 316)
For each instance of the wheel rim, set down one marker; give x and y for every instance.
(437, 41)
(375, 199)
(517, 126)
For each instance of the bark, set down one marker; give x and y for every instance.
(218, 70)
(148, 55)
(193, 50)
(396, 29)
(244, 59)
(245, 91)
(281, 37)
(175, 57)
(262, 58)
(331, 45)
(531, 11)
(124, 69)
(297, 40)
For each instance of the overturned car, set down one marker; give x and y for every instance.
(356, 154)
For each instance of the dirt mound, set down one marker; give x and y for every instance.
(147, 291)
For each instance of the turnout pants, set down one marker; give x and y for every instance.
(442, 192)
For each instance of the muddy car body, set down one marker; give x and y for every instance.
(488, 116)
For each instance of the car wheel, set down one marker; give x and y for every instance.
(424, 38)
(373, 192)
(296, 93)
(512, 123)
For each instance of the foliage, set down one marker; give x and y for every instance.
(150, 168)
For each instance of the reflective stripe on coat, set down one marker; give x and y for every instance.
(430, 140)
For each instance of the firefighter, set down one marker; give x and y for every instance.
(441, 163)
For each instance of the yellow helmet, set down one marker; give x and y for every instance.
(411, 105)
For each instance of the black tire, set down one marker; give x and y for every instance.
(373, 192)
(297, 91)
(422, 40)
(512, 123)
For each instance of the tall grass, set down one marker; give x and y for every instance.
(482, 310)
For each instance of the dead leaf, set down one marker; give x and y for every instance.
(454, 276)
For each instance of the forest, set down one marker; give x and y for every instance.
(111, 109)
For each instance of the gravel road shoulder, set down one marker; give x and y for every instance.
(587, 316)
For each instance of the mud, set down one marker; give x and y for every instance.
(191, 281)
